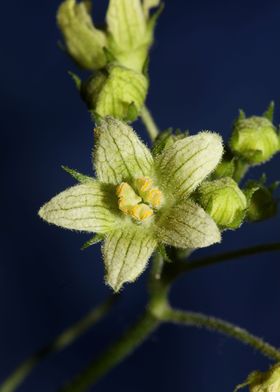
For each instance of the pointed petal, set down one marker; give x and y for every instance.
(120, 155)
(126, 23)
(187, 226)
(87, 207)
(84, 42)
(189, 161)
(126, 254)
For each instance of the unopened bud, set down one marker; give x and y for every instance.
(118, 92)
(224, 201)
(254, 139)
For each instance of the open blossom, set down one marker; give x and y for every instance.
(138, 201)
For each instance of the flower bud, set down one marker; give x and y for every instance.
(118, 92)
(263, 382)
(126, 39)
(261, 203)
(254, 139)
(84, 42)
(224, 201)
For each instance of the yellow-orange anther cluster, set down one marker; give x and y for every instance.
(139, 207)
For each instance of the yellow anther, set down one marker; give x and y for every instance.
(153, 197)
(141, 212)
(122, 189)
(143, 184)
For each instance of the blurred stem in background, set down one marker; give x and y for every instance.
(59, 343)
(158, 311)
(149, 123)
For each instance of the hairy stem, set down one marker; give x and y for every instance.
(114, 355)
(61, 342)
(174, 270)
(149, 123)
(226, 328)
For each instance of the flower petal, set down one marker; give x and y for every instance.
(189, 161)
(126, 253)
(187, 226)
(126, 23)
(88, 207)
(120, 155)
(84, 42)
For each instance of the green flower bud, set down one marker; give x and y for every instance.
(126, 39)
(224, 201)
(84, 42)
(263, 382)
(261, 203)
(118, 92)
(254, 139)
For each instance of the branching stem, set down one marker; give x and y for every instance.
(59, 343)
(149, 123)
(224, 327)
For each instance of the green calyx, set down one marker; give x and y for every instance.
(127, 37)
(254, 139)
(139, 202)
(263, 382)
(224, 201)
(118, 91)
(261, 201)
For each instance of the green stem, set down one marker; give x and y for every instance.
(61, 342)
(174, 270)
(240, 170)
(149, 123)
(114, 355)
(215, 324)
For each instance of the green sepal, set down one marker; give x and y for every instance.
(82, 178)
(94, 240)
(269, 113)
(226, 167)
(161, 249)
(263, 381)
(76, 79)
(117, 91)
(166, 139)
(261, 202)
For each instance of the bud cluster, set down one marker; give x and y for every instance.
(116, 56)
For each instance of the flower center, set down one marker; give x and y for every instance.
(139, 201)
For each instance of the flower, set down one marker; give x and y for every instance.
(138, 201)
(127, 38)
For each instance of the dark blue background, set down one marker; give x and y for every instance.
(210, 58)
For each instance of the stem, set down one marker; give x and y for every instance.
(240, 170)
(226, 328)
(174, 270)
(114, 355)
(59, 343)
(149, 123)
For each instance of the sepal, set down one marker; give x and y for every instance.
(263, 382)
(118, 92)
(261, 201)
